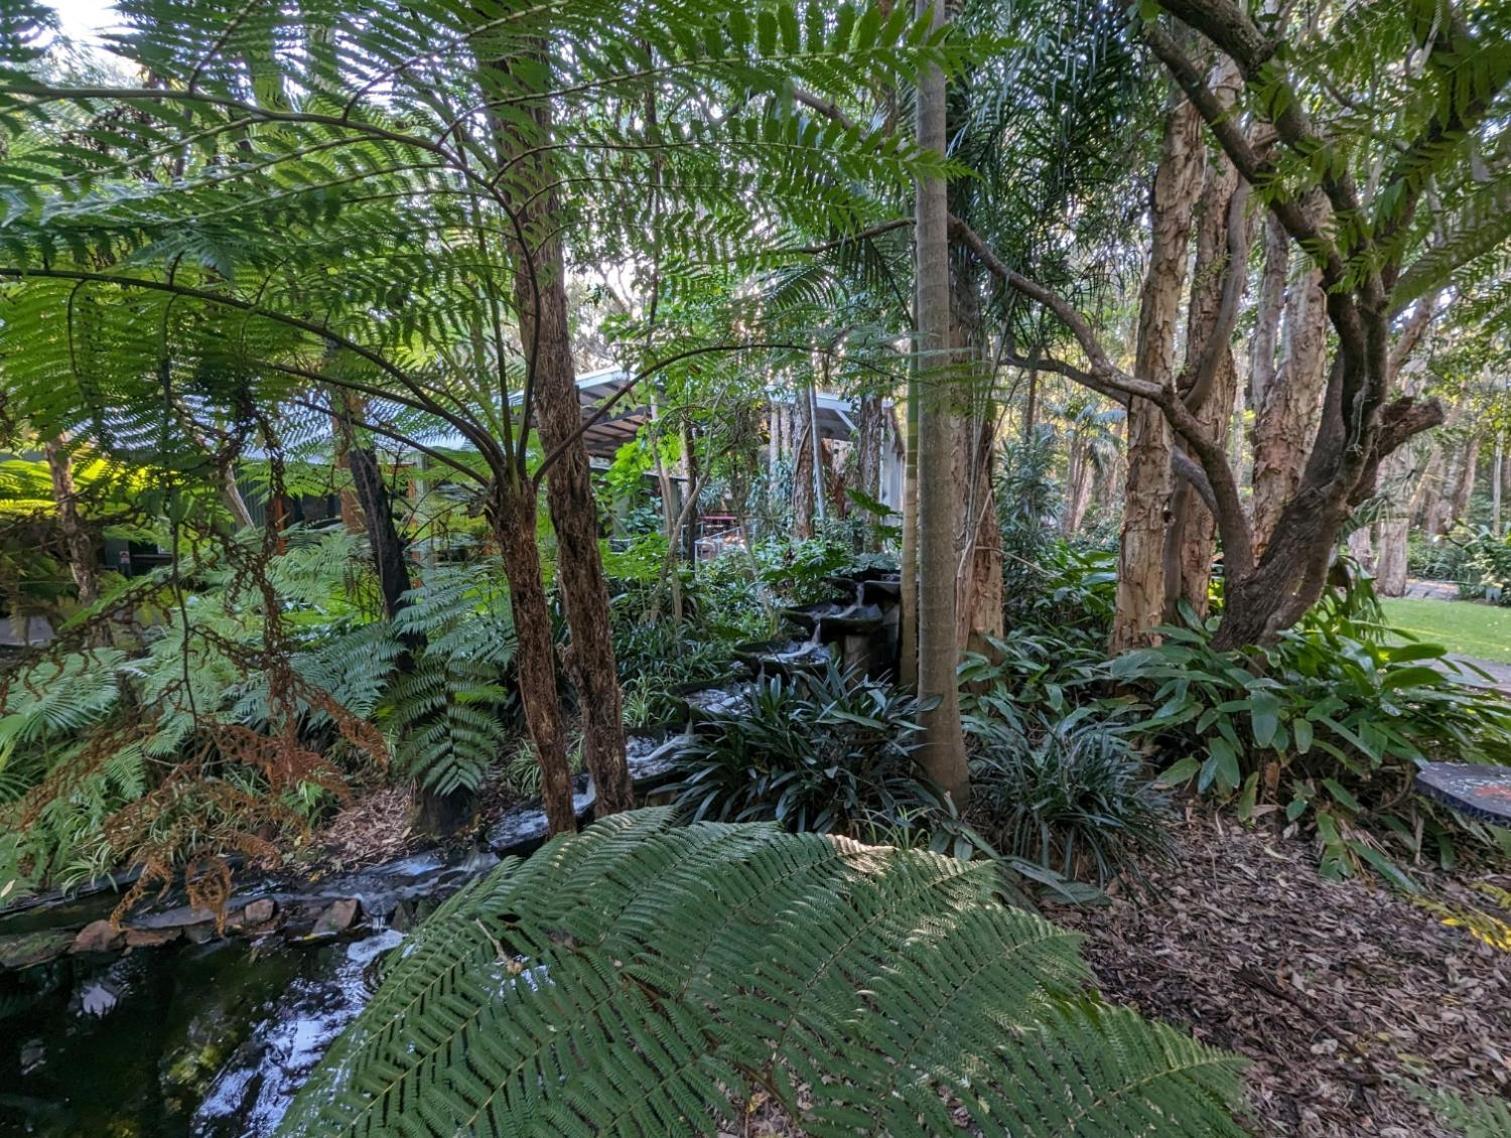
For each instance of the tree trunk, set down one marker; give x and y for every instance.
(870, 430)
(1140, 587)
(942, 755)
(78, 544)
(435, 813)
(1497, 482)
(540, 295)
(1078, 474)
(388, 547)
(979, 601)
(908, 570)
(1285, 422)
(513, 518)
(1463, 491)
(1209, 380)
(803, 474)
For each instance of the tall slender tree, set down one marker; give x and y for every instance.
(943, 752)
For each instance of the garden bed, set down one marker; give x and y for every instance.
(1338, 992)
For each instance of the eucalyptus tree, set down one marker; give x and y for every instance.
(299, 199)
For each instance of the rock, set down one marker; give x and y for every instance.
(150, 938)
(99, 936)
(199, 934)
(336, 919)
(23, 950)
(179, 918)
(258, 912)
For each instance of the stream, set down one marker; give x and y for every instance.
(165, 1028)
(188, 1041)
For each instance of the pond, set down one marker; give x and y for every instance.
(195, 1041)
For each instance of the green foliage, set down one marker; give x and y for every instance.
(1470, 1115)
(1487, 564)
(1327, 725)
(1070, 795)
(1436, 559)
(799, 571)
(1027, 497)
(829, 752)
(644, 980)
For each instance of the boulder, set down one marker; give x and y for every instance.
(180, 918)
(336, 919)
(257, 913)
(150, 938)
(26, 949)
(99, 936)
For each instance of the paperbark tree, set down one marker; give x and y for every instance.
(1146, 507)
(1209, 378)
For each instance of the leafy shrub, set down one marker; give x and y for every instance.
(829, 752)
(638, 979)
(798, 572)
(1071, 796)
(1436, 559)
(1487, 562)
(1328, 725)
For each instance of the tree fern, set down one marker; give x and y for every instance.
(641, 979)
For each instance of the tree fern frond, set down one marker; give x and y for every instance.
(647, 980)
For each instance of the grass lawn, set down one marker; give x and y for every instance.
(1461, 626)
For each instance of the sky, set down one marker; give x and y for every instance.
(84, 19)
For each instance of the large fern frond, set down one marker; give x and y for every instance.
(641, 979)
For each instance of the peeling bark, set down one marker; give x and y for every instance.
(1177, 181)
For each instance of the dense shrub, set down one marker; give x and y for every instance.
(1487, 565)
(1070, 794)
(829, 752)
(1328, 725)
(1436, 559)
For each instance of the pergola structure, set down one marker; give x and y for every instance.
(607, 435)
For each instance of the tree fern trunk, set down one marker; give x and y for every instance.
(512, 514)
(77, 542)
(540, 295)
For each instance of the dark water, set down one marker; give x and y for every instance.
(191, 1041)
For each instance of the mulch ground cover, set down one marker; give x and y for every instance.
(1338, 992)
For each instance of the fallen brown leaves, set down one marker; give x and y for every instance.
(371, 829)
(1337, 991)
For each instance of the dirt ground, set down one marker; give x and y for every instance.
(1338, 992)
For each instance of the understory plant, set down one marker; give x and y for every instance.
(644, 978)
(1070, 794)
(1328, 725)
(1487, 561)
(216, 729)
(826, 751)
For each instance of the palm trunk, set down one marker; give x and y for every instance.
(942, 755)
(1141, 576)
